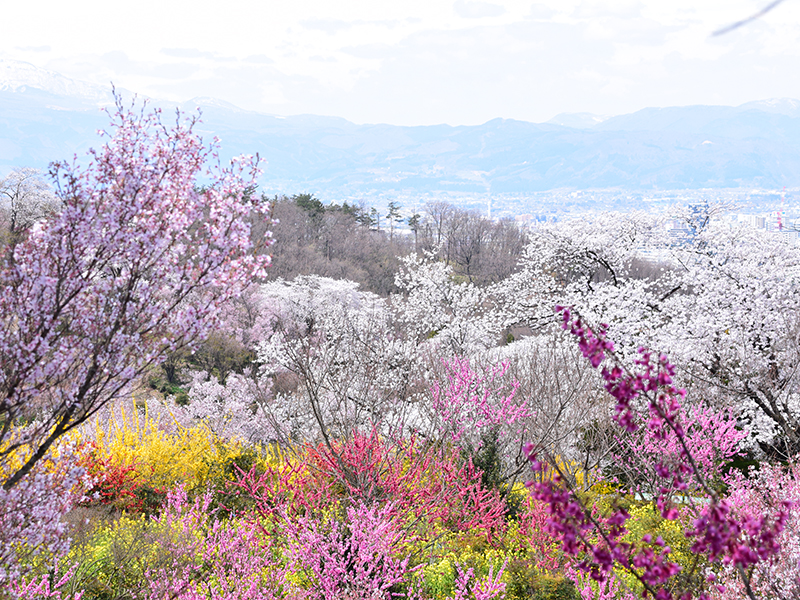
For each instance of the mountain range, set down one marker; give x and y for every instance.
(45, 116)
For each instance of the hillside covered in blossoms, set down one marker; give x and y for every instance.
(208, 392)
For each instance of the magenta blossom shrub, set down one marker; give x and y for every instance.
(421, 483)
(647, 400)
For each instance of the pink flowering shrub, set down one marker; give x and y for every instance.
(764, 494)
(540, 547)
(420, 482)
(710, 436)
(358, 557)
(645, 398)
(45, 586)
(468, 587)
(207, 559)
(470, 404)
(589, 589)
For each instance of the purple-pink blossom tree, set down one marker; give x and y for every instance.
(135, 265)
(647, 401)
(31, 515)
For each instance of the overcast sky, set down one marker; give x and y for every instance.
(418, 62)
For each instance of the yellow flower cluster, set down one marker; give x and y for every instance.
(162, 452)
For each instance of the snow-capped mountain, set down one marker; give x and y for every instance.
(20, 77)
(780, 106)
(578, 120)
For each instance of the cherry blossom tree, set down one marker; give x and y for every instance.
(25, 198)
(735, 331)
(239, 410)
(338, 362)
(459, 317)
(134, 266)
(720, 300)
(598, 264)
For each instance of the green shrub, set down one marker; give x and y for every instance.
(527, 582)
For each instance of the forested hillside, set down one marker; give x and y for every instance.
(350, 242)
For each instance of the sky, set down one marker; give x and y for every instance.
(418, 62)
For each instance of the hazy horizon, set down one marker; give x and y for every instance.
(420, 63)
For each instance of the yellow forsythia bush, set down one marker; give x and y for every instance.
(163, 454)
(647, 519)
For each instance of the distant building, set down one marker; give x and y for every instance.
(678, 232)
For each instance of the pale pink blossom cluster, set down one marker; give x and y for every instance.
(589, 589)
(237, 410)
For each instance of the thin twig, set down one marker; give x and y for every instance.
(749, 19)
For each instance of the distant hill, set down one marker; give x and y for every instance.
(45, 116)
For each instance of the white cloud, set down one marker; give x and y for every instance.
(329, 26)
(473, 9)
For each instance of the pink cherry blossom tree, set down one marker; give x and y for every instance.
(135, 265)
